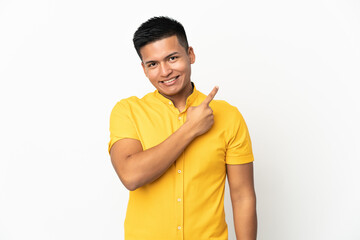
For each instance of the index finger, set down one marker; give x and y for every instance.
(211, 96)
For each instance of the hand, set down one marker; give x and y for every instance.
(201, 117)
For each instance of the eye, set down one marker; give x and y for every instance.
(152, 64)
(173, 58)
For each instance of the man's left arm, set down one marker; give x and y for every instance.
(243, 198)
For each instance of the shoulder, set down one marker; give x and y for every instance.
(222, 108)
(225, 109)
(223, 105)
(133, 102)
(125, 104)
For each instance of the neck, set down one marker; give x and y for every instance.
(180, 100)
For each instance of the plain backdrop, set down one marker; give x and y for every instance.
(291, 68)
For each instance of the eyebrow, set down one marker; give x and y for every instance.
(151, 61)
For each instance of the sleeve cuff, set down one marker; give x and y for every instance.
(239, 159)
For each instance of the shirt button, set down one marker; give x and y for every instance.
(179, 227)
(170, 102)
(179, 118)
(179, 199)
(179, 171)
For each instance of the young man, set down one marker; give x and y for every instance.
(173, 148)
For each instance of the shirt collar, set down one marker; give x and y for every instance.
(189, 101)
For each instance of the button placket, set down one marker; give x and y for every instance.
(180, 196)
(181, 118)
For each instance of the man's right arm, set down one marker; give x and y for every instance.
(136, 167)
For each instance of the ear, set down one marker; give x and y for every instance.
(143, 66)
(191, 55)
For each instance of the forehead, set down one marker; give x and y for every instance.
(161, 48)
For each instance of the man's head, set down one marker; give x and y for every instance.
(157, 28)
(165, 56)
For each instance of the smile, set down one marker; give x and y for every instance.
(170, 80)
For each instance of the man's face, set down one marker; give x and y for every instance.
(167, 65)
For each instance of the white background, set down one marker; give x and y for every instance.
(291, 67)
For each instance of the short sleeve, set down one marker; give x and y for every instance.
(239, 149)
(121, 124)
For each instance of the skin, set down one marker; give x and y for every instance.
(243, 199)
(163, 60)
(167, 59)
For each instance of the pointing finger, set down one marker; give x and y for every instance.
(211, 96)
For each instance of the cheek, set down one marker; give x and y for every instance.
(182, 67)
(152, 74)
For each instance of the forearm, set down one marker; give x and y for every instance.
(245, 219)
(146, 166)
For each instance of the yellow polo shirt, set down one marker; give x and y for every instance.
(187, 201)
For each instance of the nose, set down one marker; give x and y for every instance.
(165, 69)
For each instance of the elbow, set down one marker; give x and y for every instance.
(127, 177)
(245, 197)
(131, 186)
(129, 182)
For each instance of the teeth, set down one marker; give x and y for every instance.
(170, 80)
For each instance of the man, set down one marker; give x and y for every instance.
(173, 148)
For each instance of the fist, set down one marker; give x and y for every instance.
(201, 117)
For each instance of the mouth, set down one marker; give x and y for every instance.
(171, 80)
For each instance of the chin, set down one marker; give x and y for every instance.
(169, 93)
(171, 90)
